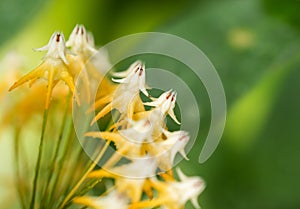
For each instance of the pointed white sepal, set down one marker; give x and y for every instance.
(194, 201)
(181, 175)
(173, 116)
(182, 152)
(122, 80)
(43, 48)
(144, 91)
(132, 67)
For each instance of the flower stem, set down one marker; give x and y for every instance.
(38, 163)
(56, 152)
(19, 183)
(92, 166)
(68, 140)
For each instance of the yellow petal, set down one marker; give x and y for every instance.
(34, 74)
(106, 135)
(87, 201)
(100, 174)
(67, 78)
(102, 101)
(50, 87)
(102, 113)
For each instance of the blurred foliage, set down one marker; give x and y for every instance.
(287, 11)
(14, 14)
(254, 45)
(257, 57)
(107, 19)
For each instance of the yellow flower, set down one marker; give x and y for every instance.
(174, 194)
(88, 64)
(31, 101)
(53, 68)
(131, 178)
(128, 141)
(126, 97)
(165, 104)
(81, 42)
(113, 200)
(165, 150)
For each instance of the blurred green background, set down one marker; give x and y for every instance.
(255, 47)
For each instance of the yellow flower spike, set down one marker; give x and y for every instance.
(53, 68)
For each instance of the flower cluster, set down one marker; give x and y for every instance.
(140, 135)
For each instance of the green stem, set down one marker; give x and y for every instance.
(86, 189)
(78, 184)
(56, 153)
(77, 164)
(38, 163)
(17, 169)
(62, 159)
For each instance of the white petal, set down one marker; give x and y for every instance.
(173, 116)
(121, 74)
(63, 57)
(144, 91)
(195, 203)
(181, 175)
(123, 80)
(131, 68)
(182, 152)
(43, 48)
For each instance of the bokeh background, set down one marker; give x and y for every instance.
(255, 47)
